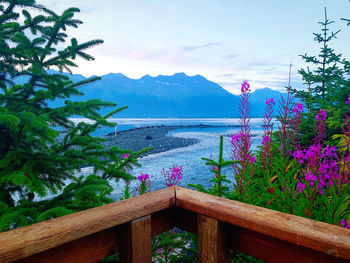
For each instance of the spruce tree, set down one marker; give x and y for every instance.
(326, 84)
(39, 168)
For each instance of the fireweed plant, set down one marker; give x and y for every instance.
(310, 181)
(266, 153)
(307, 181)
(144, 184)
(281, 186)
(174, 245)
(241, 153)
(173, 175)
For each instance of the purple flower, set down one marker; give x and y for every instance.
(330, 151)
(266, 140)
(252, 159)
(300, 186)
(347, 159)
(159, 250)
(241, 143)
(236, 137)
(348, 101)
(298, 108)
(126, 155)
(299, 155)
(245, 87)
(345, 223)
(145, 184)
(266, 156)
(173, 175)
(143, 177)
(310, 177)
(322, 115)
(270, 102)
(342, 222)
(324, 167)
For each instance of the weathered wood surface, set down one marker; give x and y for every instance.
(88, 249)
(270, 235)
(137, 245)
(27, 241)
(275, 250)
(211, 241)
(257, 245)
(328, 239)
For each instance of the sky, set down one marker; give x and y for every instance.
(226, 41)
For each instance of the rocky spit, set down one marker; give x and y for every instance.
(154, 136)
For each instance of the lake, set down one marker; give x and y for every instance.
(194, 169)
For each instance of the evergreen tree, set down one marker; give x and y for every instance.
(327, 87)
(38, 167)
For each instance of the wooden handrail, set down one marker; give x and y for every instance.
(221, 224)
(26, 241)
(326, 238)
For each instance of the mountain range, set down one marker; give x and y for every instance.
(178, 95)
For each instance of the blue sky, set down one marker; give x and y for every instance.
(226, 41)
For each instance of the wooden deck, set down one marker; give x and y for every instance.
(128, 226)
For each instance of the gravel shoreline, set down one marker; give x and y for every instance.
(155, 136)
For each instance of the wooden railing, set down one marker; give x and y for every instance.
(127, 227)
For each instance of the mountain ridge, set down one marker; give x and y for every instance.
(177, 95)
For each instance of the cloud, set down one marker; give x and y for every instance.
(227, 75)
(87, 6)
(190, 48)
(230, 56)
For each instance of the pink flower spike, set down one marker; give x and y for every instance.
(266, 140)
(145, 184)
(236, 137)
(126, 156)
(245, 87)
(322, 115)
(270, 102)
(298, 108)
(252, 159)
(173, 175)
(143, 177)
(300, 187)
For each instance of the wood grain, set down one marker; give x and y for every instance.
(274, 250)
(328, 239)
(163, 221)
(27, 241)
(128, 226)
(88, 249)
(211, 241)
(137, 245)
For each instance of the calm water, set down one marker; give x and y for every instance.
(194, 169)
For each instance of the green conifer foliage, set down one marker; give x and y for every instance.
(38, 167)
(327, 87)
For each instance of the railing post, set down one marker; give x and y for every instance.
(211, 241)
(137, 244)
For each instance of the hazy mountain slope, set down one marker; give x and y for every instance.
(178, 95)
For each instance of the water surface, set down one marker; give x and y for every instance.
(194, 169)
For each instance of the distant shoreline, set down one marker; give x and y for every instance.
(155, 136)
